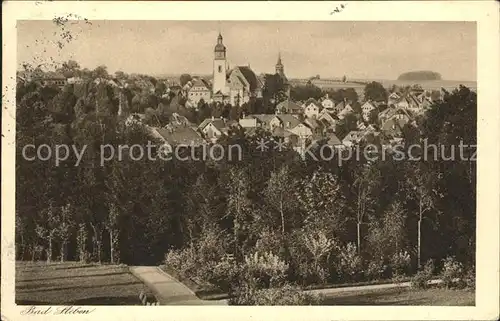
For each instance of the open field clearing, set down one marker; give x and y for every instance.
(73, 283)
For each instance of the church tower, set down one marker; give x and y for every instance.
(280, 69)
(220, 67)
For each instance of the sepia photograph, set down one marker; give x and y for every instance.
(235, 162)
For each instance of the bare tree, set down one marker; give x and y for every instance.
(47, 228)
(65, 228)
(97, 228)
(420, 189)
(113, 230)
(238, 204)
(364, 183)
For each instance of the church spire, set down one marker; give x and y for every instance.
(219, 38)
(280, 69)
(220, 49)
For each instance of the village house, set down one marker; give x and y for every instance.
(176, 136)
(51, 79)
(248, 122)
(302, 131)
(366, 110)
(425, 101)
(286, 121)
(360, 125)
(75, 80)
(394, 112)
(199, 90)
(283, 125)
(311, 108)
(328, 104)
(329, 139)
(341, 106)
(409, 102)
(315, 126)
(180, 135)
(213, 128)
(393, 127)
(353, 138)
(393, 99)
(370, 129)
(187, 86)
(326, 117)
(135, 119)
(287, 136)
(179, 120)
(344, 112)
(333, 140)
(289, 107)
(264, 120)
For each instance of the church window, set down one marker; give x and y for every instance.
(220, 68)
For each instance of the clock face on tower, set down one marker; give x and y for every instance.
(220, 55)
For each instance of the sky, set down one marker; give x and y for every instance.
(359, 50)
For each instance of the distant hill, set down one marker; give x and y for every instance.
(420, 75)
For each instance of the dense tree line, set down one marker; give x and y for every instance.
(363, 219)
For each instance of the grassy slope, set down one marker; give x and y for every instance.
(404, 296)
(78, 284)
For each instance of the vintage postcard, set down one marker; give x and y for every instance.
(250, 160)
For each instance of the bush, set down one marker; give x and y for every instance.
(269, 241)
(181, 260)
(225, 274)
(204, 273)
(199, 261)
(376, 270)
(452, 273)
(350, 264)
(305, 272)
(310, 253)
(209, 247)
(285, 295)
(38, 252)
(264, 270)
(422, 278)
(470, 278)
(400, 264)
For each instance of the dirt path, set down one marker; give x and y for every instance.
(172, 292)
(168, 290)
(366, 287)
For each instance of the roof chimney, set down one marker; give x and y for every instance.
(213, 118)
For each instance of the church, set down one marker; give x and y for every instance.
(237, 85)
